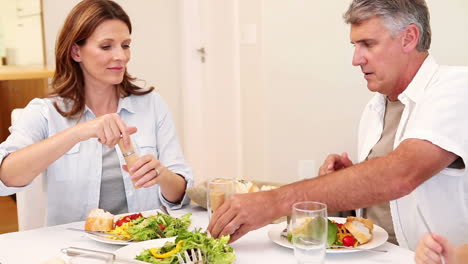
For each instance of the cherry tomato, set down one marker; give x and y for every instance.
(128, 218)
(162, 227)
(135, 216)
(120, 222)
(349, 241)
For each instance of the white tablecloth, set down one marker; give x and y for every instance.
(39, 245)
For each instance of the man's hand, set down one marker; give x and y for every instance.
(242, 213)
(335, 162)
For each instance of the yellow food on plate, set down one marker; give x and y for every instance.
(121, 231)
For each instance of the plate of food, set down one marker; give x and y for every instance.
(354, 232)
(213, 250)
(136, 227)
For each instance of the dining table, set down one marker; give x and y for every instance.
(45, 244)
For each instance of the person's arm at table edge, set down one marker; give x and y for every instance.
(383, 179)
(13, 171)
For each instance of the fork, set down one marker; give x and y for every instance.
(164, 209)
(196, 258)
(428, 229)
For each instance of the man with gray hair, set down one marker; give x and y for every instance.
(413, 137)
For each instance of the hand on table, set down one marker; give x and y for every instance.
(429, 248)
(146, 171)
(335, 162)
(242, 213)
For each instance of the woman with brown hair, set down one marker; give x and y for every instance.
(72, 135)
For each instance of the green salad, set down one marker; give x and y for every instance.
(214, 250)
(332, 237)
(158, 226)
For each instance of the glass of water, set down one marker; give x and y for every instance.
(309, 231)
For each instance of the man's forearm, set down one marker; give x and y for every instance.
(370, 182)
(358, 186)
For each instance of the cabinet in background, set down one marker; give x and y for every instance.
(18, 86)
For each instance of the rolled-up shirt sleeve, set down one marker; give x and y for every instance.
(439, 119)
(30, 128)
(185, 200)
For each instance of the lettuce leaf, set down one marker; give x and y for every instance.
(215, 251)
(332, 233)
(147, 228)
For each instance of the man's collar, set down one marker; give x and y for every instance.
(415, 88)
(420, 81)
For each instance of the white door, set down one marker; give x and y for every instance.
(210, 88)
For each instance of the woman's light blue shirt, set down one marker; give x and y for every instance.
(73, 181)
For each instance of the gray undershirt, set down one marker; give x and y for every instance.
(112, 196)
(380, 213)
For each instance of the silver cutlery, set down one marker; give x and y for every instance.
(108, 257)
(100, 234)
(164, 209)
(361, 249)
(196, 257)
(428, 229)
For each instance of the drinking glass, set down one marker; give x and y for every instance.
(218, 191)
(309, 231)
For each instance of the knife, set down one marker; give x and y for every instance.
(99, 233)
(108, 257)
(428, 229)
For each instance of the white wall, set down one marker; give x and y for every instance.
(449, 24)
(155, 44)
(20, 32)
(313, 94)
(253, 91)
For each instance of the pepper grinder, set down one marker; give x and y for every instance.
(129, 155)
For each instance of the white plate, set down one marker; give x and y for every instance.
(380, 236)
(110, 241)
(133, 250)
(120, 242)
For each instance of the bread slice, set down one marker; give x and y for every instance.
(99, 220)
(360, 228)
(254, 188)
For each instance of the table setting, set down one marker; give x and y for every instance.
(59, 244)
